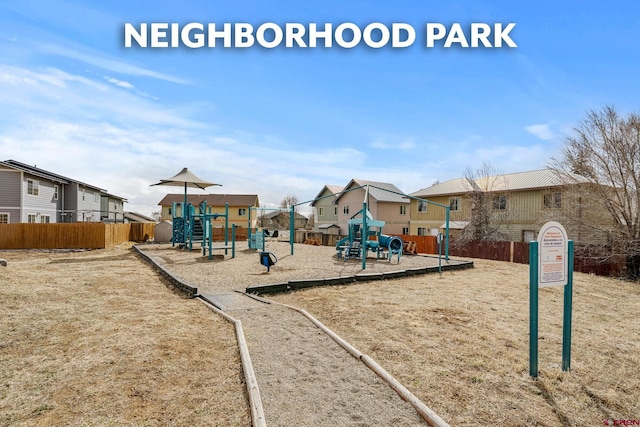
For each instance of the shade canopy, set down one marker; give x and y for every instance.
(185, 178)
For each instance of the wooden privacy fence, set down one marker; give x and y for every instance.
(325, 239)
(518, 252)
(78, 235)
(218, 234)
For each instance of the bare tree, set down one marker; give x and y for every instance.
(489, 204)
(311, 221)
(289, 201)
(601, 162)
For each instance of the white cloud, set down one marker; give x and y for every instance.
(105, 62)
(384, 144)
(119, 83)
(541, 131)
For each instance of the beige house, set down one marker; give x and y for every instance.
(522, 201)
(325, 211)
(239, 205)
(386, 203)
(280, 220)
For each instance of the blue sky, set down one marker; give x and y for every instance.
(279, 122)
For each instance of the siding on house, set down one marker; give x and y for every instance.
(324, 210)
(525, 212)
(15, 198)
(238, 207)
(384, 204)
(41, 205)
(9, 198)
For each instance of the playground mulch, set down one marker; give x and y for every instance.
(222, 273)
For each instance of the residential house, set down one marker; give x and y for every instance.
(325, 211)
(524, 201)
(137, 217)
(112, 208)
(280, 220)
(386, 203)
(239, 207)
(31, 194)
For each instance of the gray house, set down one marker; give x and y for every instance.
(30, 194)
(325, 211)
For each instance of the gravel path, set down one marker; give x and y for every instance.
(305, 377)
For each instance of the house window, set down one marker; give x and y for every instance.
(553, 200)
(422, 231)
(242, 211)
(405, 230)
(500, 203)
(31, 218)
(96, 197)
(32, 187)
(56, 191)
(403, 210)
(335, 210)
(45, 219)
(4, 218)
(320, 211)
(422, 206)
(345, 209)
(454, 204)
(83, 194)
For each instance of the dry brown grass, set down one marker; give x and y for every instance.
(95, 338)
(460, 343)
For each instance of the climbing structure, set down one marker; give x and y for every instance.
(365, 234)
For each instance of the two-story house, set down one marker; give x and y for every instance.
(239, 205)
(31, 194)
(518, 203)
(386, 203)
(281, 220)
(326, 211)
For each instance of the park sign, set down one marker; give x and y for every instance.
(550, 264)
(553, 255)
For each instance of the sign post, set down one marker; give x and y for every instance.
(550, 264)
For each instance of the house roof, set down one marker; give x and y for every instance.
(112, 196)
(35, 171)
(323, 226)
(274, 214)
(529, 180)
(212, 199)
(380, 191)
(455, 225)
(137, 217)
(333, 189)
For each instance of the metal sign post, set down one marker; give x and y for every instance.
(550, 264)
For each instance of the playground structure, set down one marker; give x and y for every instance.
(257, 238)
(268, 259)
(365, 234)
(190, 228)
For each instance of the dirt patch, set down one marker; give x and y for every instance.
(460, 343)
(83, 343)
(96, 338)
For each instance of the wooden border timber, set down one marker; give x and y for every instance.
(423, 410)
(255, 400)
